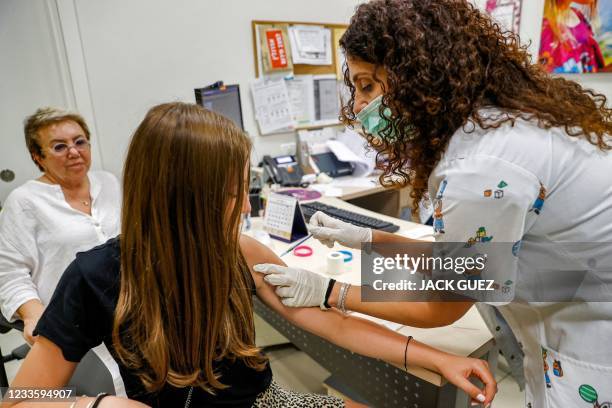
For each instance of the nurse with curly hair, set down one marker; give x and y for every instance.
(448, 98)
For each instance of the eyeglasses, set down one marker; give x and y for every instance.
(61, 149)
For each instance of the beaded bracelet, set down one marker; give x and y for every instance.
(343, 294)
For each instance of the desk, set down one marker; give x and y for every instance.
(380, 383)
(356, 187)
(366, 192)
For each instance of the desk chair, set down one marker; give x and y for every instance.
(90, 377)
(17, 354)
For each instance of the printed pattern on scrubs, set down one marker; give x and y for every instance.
(535, 189)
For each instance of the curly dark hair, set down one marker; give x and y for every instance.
(445, 60)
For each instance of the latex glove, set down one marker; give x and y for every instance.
(329, 230)
(296, 287)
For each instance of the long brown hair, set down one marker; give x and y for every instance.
(185, 297)
(445, 60)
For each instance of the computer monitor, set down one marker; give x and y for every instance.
(224, 99)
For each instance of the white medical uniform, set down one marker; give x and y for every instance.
(536, 187)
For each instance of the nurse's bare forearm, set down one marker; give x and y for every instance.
(399, 245)
(416, 314)
(382, 237)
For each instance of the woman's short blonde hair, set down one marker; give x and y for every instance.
(42, 118)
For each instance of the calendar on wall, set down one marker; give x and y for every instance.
(283, 218)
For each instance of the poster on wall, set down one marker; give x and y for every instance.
(576, 36)
(275, 49)
(506, 12)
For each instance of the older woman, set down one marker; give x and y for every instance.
(46, 221)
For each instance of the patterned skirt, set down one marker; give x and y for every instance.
(276, 397)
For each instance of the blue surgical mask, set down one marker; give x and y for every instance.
(372, 121)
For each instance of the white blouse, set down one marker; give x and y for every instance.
(40, 234)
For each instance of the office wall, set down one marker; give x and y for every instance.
(142, 52)
(33, 72)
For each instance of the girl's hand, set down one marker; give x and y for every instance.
(458, 370)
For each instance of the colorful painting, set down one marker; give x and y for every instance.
(576, 36)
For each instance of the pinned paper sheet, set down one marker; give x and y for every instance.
(272, 106)
(310, 44)
(301, 96)
(273, 41)
(327, 100)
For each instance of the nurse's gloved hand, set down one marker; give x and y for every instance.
(296, 287)
(329, 230)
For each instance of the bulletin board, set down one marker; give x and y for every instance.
(334, 68)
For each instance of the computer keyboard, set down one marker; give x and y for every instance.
(308, 209)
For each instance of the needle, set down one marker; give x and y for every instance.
(296, 245)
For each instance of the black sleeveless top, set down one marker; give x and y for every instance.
(80, 316)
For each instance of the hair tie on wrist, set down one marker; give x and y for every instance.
(99, 398)
(330, 287)
(406, 354)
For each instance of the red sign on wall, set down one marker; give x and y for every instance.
(276, 48)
